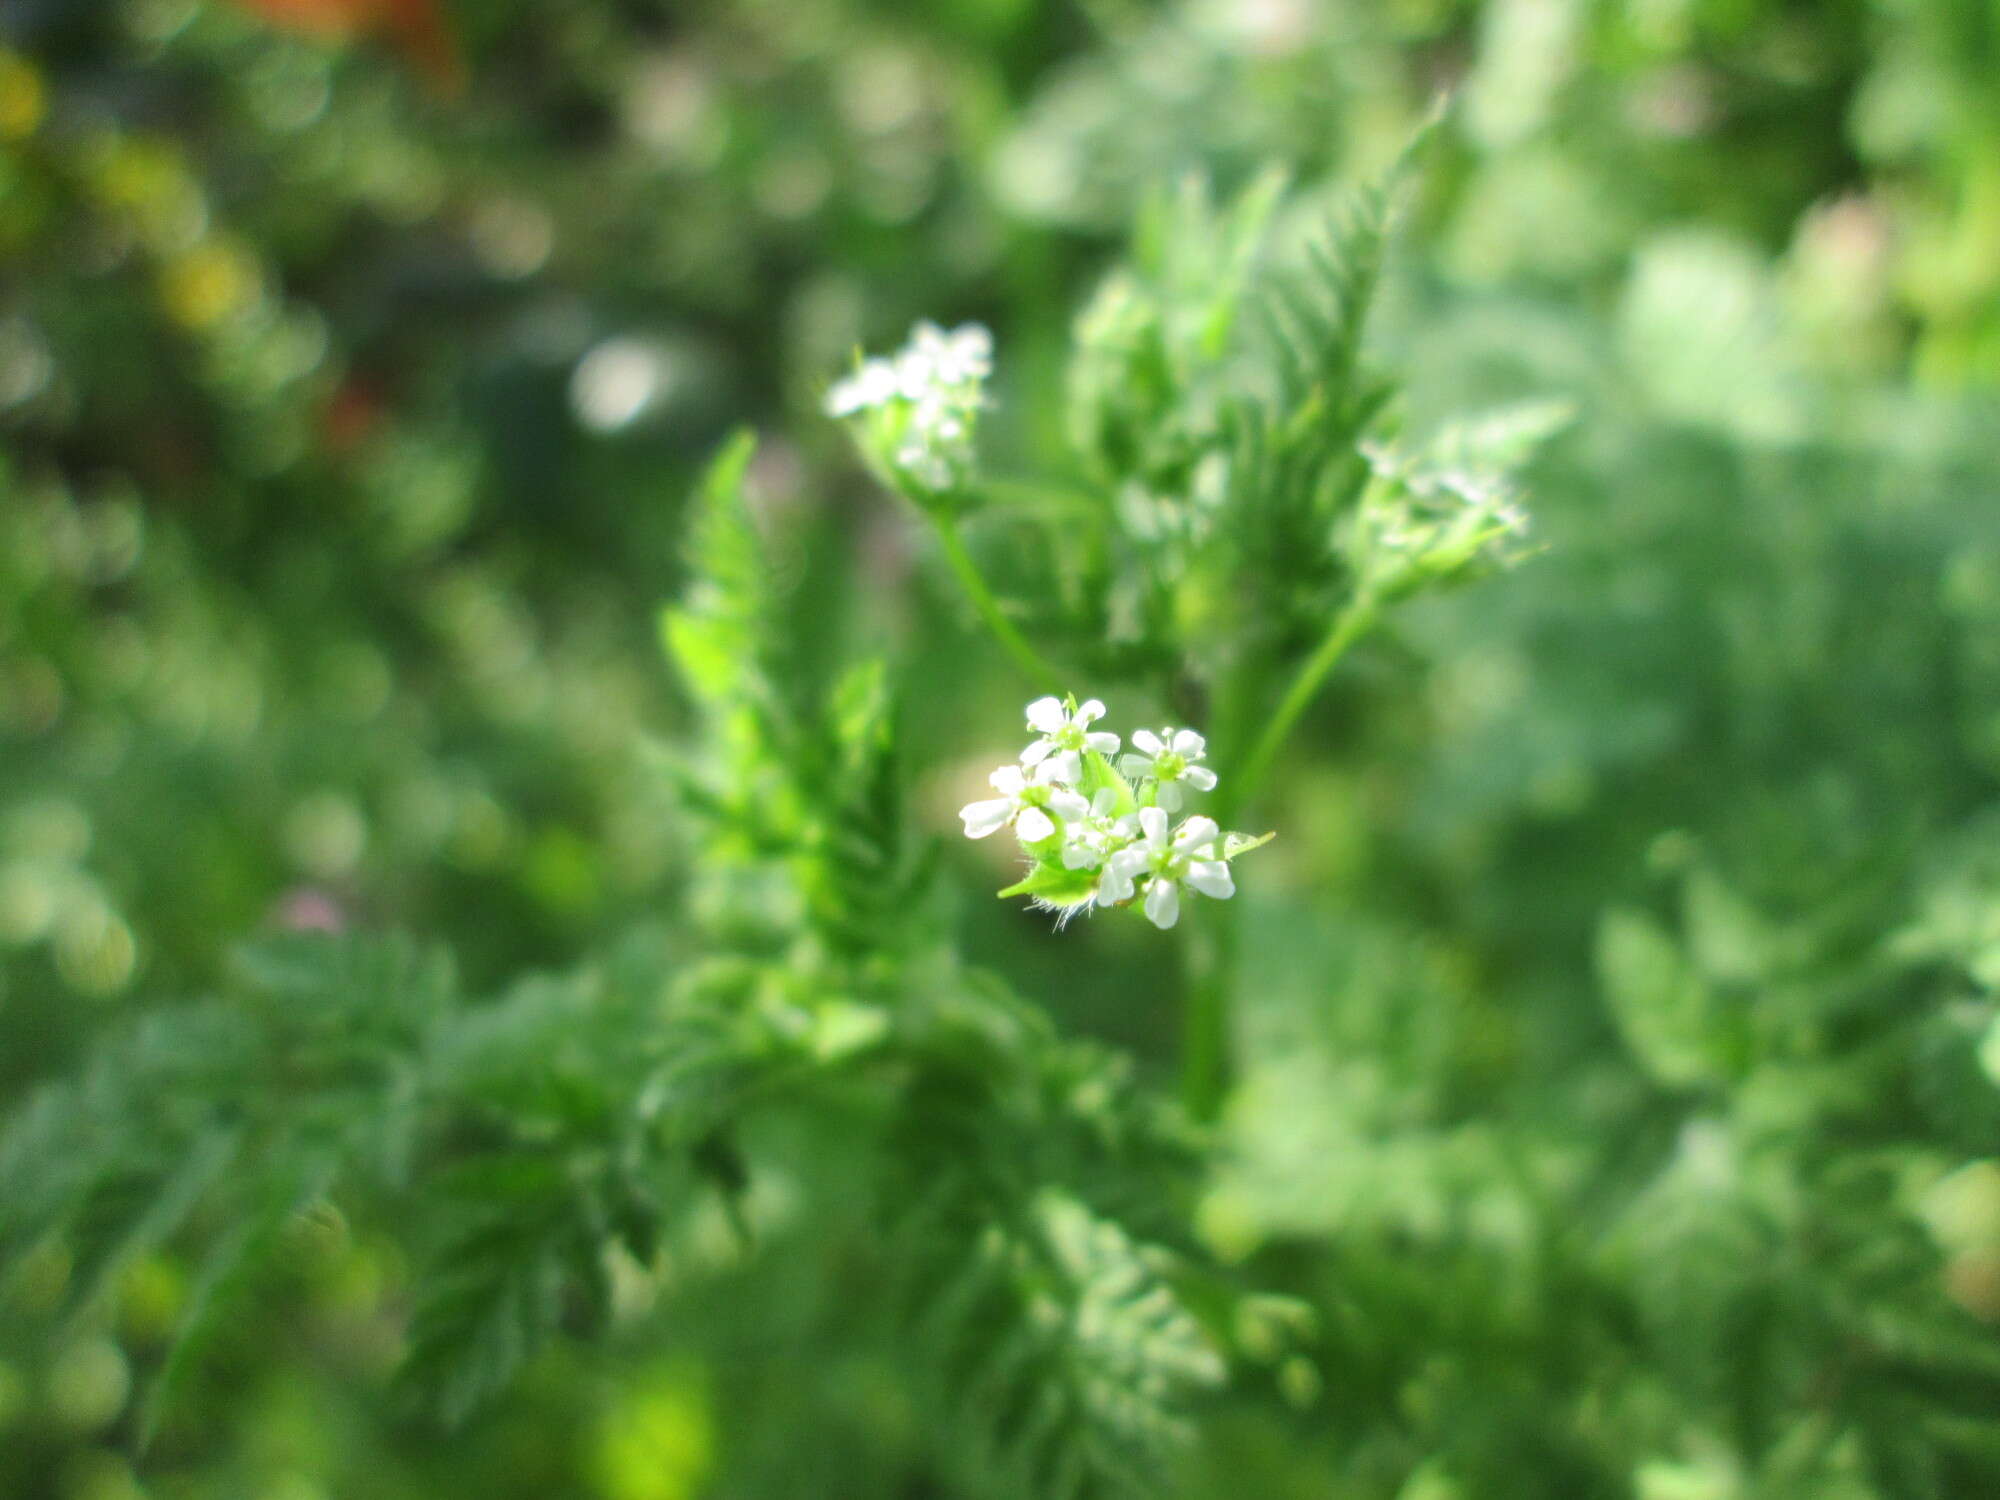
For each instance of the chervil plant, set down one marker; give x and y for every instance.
(800, 1054)
(1242, 505)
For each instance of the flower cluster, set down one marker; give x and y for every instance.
(1098, 834)
(1440, 519)
(917, 410)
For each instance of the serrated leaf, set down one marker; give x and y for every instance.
(1669, 1018)
(710, 652)
(157, 1209)
(228, 1271)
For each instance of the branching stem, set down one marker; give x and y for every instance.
(1360, 616)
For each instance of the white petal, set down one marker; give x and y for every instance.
(1200, 778)
(1090, 713)
(1170, 796)
(1163, 903)
(1102, 743)
(1135, 765)
(913, 375)
(878, 382)
(1033, 825)
(971, 343)
(1195, 832)
(1069, 767)
(1081, 856)
(1113, 886)
(1069, 806)
(1190, 744)
(982, 818)
(1212, 878)
(1103, 802)
(1008, 779)
(1038, 752)
(1046, 714)
(1126, 863)
(1147, 741)
(1153, 821)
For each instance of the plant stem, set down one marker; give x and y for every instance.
(1353, 622)
(1211, 950)
(970, 579)
(1038, 494)
(1210, 968)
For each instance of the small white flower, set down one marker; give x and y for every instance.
(1026, 801)
(1065, 736)
(1087, 844)
(961, 357)
(1442, 509)
(873, 385)
(1162, 865)
(922, 404)
(1169, 759)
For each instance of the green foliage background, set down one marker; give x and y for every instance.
(675, 1115)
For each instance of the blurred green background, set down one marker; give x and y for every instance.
(356, 357)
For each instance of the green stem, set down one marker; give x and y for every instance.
(1210, 954)
(1038, 494)
(1353, 622)
(1212, 949)
(970, 579)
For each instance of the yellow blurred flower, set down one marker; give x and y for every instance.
(23, 97)
(209, 285)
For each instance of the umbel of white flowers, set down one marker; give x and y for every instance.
(917, 409)
(1098, 834)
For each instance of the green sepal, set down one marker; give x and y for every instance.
(1234, 844)
(1099, 773)
(1056, 884)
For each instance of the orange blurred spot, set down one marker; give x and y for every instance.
(417, 28)
(351, 415)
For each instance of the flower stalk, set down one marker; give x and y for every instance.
(1031, 662)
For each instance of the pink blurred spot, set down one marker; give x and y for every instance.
(310, 910)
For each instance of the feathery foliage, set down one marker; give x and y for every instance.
(1599, 1097)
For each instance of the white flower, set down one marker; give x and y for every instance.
(1170, 760)
(964, 356)
(1162, 865)
(922, 404)
(1088, 843)
(1065, 736)
(1026, 802)
(874, 384)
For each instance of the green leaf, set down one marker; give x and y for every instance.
(1667, 1015)
(723, 547)
(1098, 775)
(716, 634)
(708, 651)
(1234, 844)
(1056, 884)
